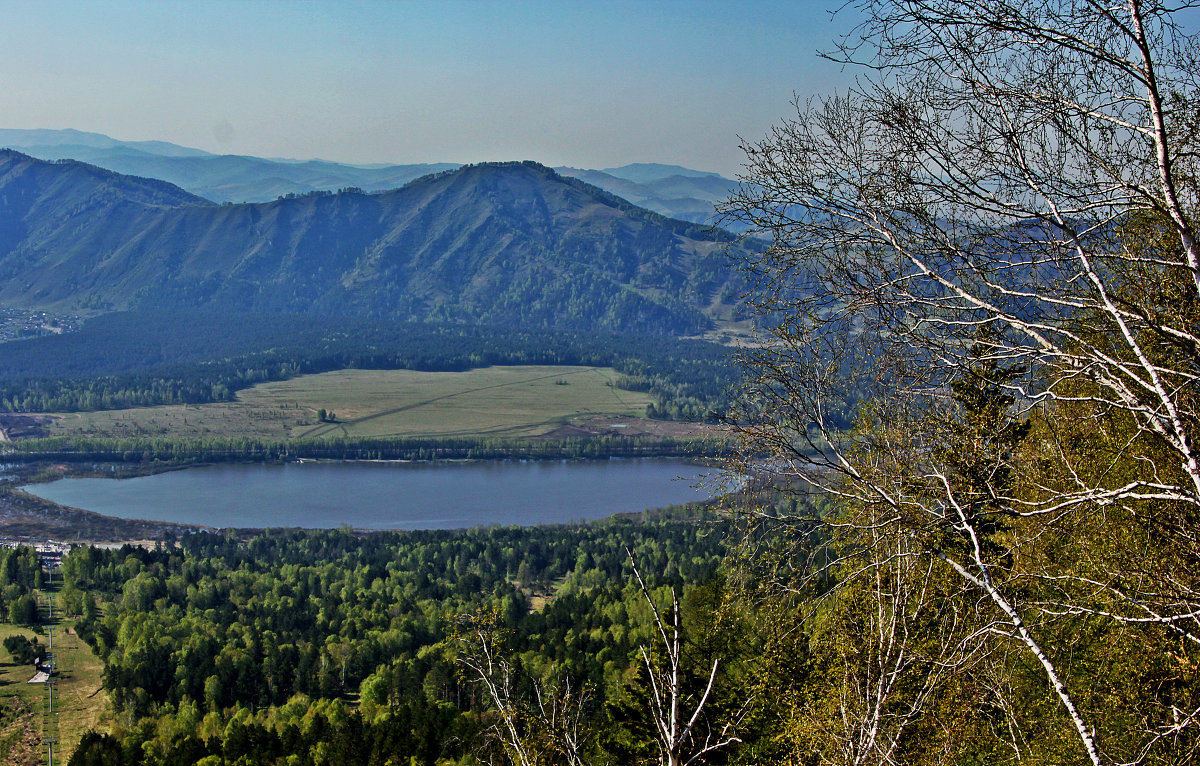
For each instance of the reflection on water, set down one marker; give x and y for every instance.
(389, 495)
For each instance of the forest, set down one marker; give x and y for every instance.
(329, 647)
(150, 451)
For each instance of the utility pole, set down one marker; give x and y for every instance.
(51, 743)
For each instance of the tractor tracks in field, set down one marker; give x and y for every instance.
(329, 428)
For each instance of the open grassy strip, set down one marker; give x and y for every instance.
(25, 706)
(510, 401)
(13, 677)
(20, 738)
(79, 704)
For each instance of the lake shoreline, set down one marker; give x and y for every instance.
(19, 475)
(379, 495)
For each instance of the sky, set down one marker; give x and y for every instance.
(571, 82)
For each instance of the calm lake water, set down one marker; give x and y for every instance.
(388, 495)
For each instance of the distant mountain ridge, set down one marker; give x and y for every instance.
(10, 137)
(671, 190)
(648, 172)
(505, 243)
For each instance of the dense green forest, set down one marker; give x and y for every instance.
(459, 647)
(331, 648)
(129, 359)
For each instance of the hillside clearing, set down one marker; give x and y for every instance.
(78, 706)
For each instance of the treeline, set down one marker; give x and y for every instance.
(132, 359)
(250, 652)
(244, 449)
(20, 574)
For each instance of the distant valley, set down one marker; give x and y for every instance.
(128, 296)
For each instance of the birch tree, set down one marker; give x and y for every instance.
(1009, 187)
(685, 729)
(887, 649)
(540, 725)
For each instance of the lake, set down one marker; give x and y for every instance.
(384, 495)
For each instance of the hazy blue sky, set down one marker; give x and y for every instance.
(590, 84)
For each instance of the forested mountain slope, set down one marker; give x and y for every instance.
(511, 243)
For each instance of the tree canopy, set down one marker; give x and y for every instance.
(988, 243)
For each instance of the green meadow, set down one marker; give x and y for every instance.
(516, 401)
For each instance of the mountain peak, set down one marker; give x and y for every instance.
(671, 190)
(510, 243)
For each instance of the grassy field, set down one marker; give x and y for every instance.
(501, 401)
(79, 704)
(20, 736)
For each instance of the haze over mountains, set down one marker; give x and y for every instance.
(503, 243)
(671, 190)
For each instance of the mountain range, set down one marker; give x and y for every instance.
(671, 190)
(501, 243)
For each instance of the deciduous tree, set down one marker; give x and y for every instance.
(1003, 203)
